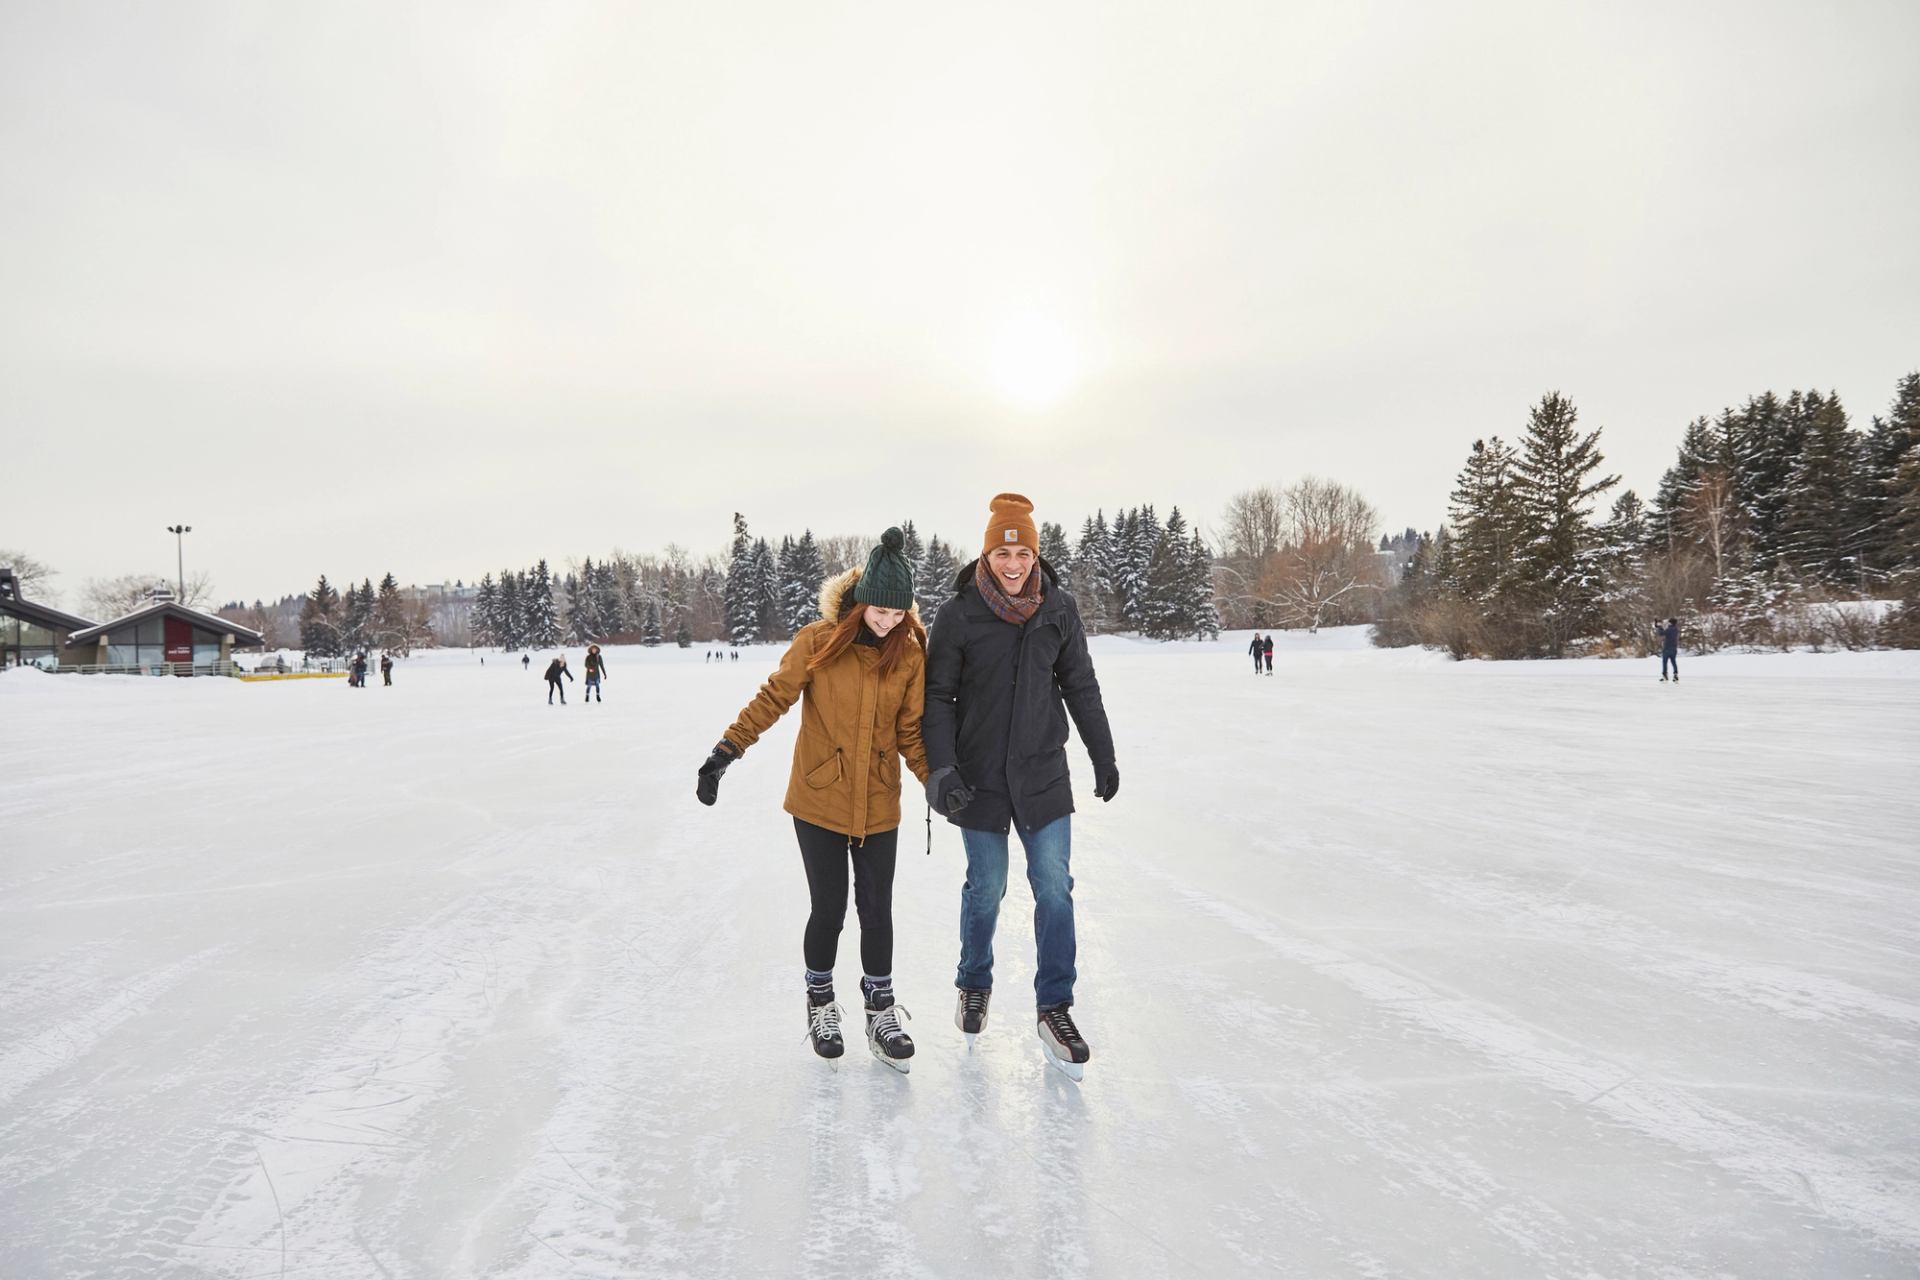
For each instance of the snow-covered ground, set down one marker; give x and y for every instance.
(1391, 966)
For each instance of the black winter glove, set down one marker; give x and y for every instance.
(708, 786)
(947, 793)
(1106, 780)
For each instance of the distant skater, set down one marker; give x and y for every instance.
(1256, 651)
(556, 669)
(1266, 650)
(526, 660)
(360, 670)
(1669, 649)
(386, 669)
(596, 671)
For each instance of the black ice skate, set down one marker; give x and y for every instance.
(823, 1025)
(885, 1037)
(1061, 1041)
(970, 1014)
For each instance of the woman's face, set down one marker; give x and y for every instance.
(1011, 565)
(881, 621)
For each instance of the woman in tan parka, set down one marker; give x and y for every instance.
(859, 675)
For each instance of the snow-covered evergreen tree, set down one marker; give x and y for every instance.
(509, 623)
(911, 547)
(357, 619)
(743, 587)
(783, 562)
(610, 614)
(486, 613)
(802, 577)
(1903, 520)
(576, 597)
(390, 625)
(1485, 510)
(683, 635)
(1821, 518)
(320, 630)
(1668, 520)
(650, 631)
(1163, 598)
(543, 619)
(1056, 551)
(1093, 575)
(1556, 479)
(1890, 441)
(1136, 535)
(583, 622)
(1765, 438)
(933, 585)
(769, 619)
(1199, 606)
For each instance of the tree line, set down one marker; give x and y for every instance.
(1136, 574)
(1772, 516)
(332, 625)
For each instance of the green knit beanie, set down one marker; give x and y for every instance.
(888, 579)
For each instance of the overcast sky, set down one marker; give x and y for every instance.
(435, 289)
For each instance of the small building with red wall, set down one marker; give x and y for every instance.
(163, 637)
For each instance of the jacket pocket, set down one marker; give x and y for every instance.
(1045, 771)
(826, 773)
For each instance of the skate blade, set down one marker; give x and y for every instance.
(971, 1037)
(903, 1065)
(1074, 1071)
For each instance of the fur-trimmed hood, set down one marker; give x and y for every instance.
(836, 596)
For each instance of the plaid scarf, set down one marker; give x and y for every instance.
(1009, 608)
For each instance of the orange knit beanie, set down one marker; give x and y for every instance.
(1011, 524)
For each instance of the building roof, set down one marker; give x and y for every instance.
(208, 621)
(40, 614)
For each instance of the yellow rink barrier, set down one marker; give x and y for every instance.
(294, 675)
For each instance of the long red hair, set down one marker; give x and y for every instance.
(853, 616)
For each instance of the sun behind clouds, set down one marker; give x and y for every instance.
(1034, 362)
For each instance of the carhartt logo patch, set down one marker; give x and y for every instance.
(1013, 535)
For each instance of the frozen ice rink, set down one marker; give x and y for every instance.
(1391, 967)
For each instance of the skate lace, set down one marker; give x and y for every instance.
(973, 1001)
(1060, 1022)
(823, 1021)
(886, 1023)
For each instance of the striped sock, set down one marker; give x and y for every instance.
(820, 987)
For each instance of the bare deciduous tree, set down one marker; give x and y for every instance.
(1326, 564)
(1252, 525)
(104, 599)
(1713, 512)
(33, 576)
(844, 551)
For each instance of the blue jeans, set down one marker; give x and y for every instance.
(1048, 851)
(1669, 660)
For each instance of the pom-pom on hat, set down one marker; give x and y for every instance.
(1011, 524)
(887, 580)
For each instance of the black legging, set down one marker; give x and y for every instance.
(826, 855)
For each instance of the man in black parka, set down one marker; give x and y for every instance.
(1007, 663)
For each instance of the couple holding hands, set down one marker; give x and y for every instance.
(978, 708)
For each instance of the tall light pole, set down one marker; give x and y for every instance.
(180, 555)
